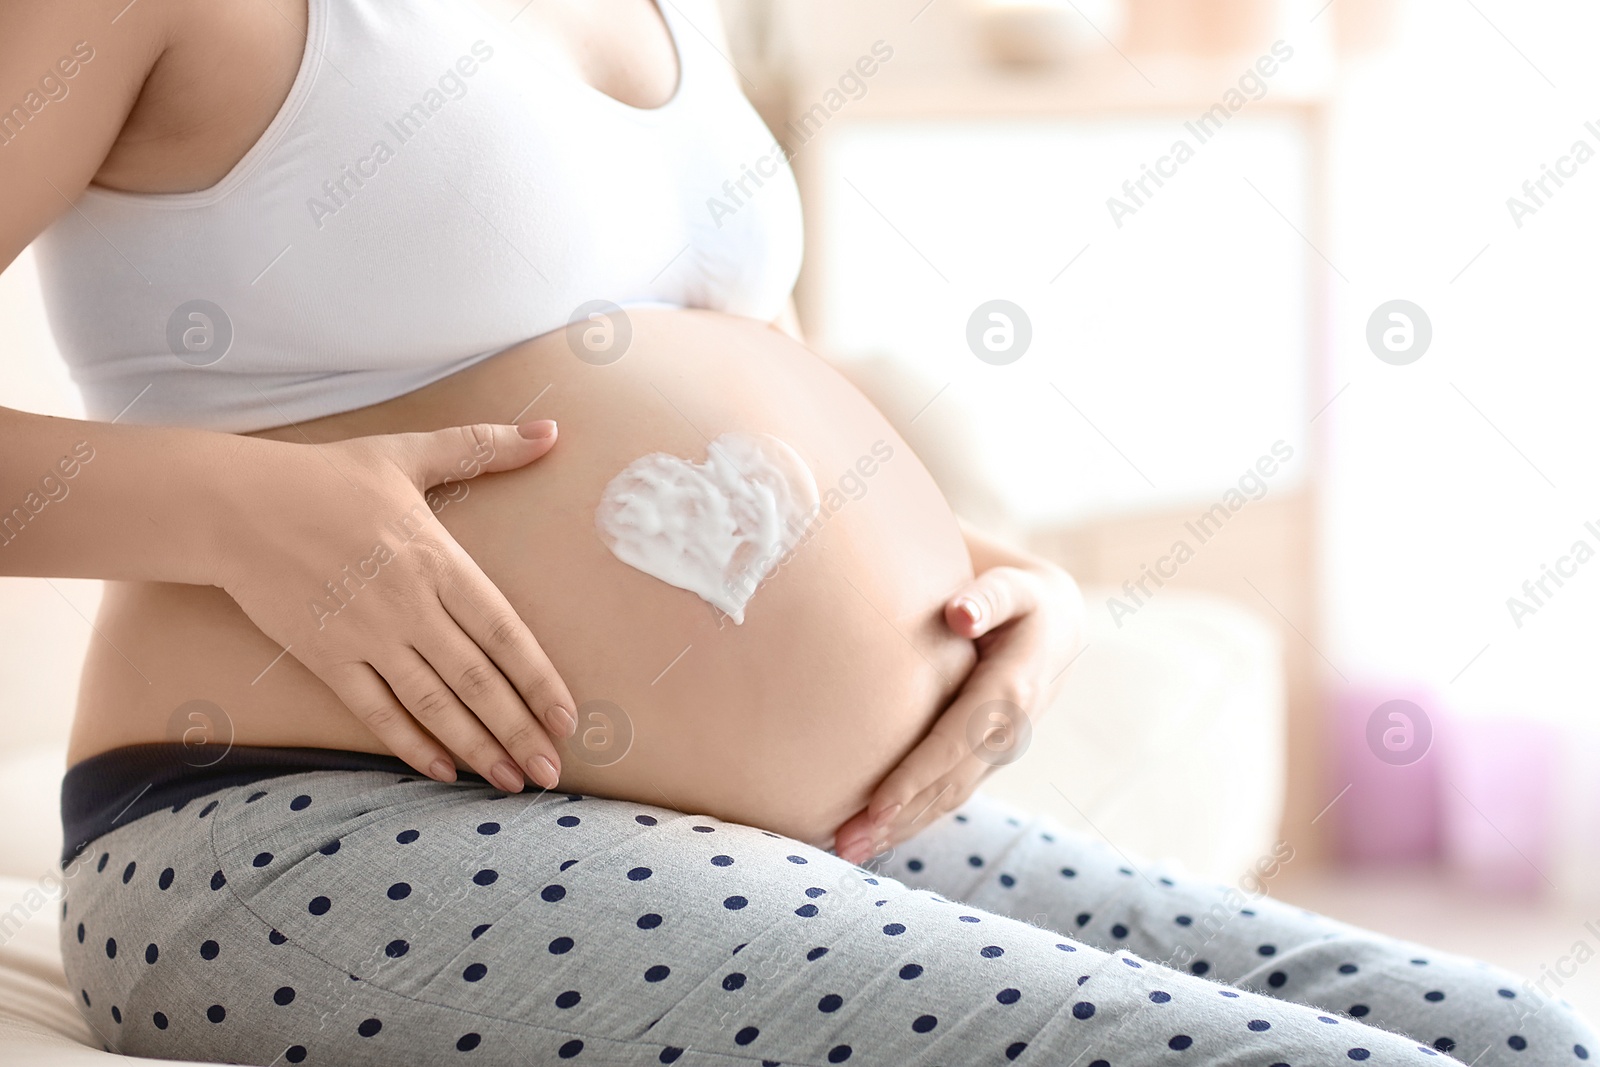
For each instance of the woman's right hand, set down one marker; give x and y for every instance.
(333, 551)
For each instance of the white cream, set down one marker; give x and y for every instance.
(716, 528)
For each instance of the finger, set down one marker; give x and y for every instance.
(487, 617)
(462, 452)
(441, 713)
(853, 841)
(478, 683)
(363, 691)
(934, 756)
(992, 599)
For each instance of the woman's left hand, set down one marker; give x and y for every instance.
(1028, 624)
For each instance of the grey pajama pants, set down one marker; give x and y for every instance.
(354, 917)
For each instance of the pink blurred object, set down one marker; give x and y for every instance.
(1499, 794)
(1384, 750)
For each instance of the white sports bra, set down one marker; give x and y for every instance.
(426, 197)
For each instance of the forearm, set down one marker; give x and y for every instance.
(98, 500)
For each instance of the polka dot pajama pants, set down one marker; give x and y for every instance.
(356, 918)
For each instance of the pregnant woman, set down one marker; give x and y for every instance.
(329, 274)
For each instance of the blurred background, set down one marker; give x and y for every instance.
(1271, 320)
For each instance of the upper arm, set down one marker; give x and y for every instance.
(70, 72)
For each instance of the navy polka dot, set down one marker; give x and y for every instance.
(669, 1054)
(1433, 995)
(894, 929)
(151, 953)
(331, 847)
(295, 1053)
(1348, 968)
(400, 891)
(319, 905)
(474, 972)
(1160, 996)
(127, 872)
(1119, 931)
(218, 880)
(489, 829)
(300, 803)
(1179, 1042)
(1258, 1025)
(1015, 1050)
(111, 948)
(369, 1027)
(722, 861)
(733, 981)
(746, 1035)
(116, 1013)
(1358, 1010)
(1517, 1041)
(570, 1049)
(262, 859)
(165, 881)
(487, 876)
(1008, 996)
(839, 1053)
(657, 973)
(405, 837)
(910, 971)
(1358, 1053)
(990, 952)
(468, 1042)
(160, 1019)
(830, 1003)
(277, 938)
(216, 1013)
(396, 948)
(552, 893)
(1083, 1010)
(806, 911)
(1275, 979)
(561, 946)
(639, 874)
(816, 954)
(209, 950)
(924, 1023)
(734, 903)
(284, 996)
(479, 930)
(1267, 950)
(207, 810)
(645, 820)
(569, 999)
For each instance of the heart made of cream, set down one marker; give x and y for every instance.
(717, 528)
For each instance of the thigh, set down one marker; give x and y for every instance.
(992, 856)
(357, 918)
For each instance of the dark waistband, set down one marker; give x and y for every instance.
(114, 788)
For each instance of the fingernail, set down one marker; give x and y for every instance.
(542, 771)
(442, 770)
(506, 776)
(565, 724)
(538, 429)
(887, 814)
(970, 608)
(880, 848)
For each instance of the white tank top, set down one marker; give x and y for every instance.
(427, 196)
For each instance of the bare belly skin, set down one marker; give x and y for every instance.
(786, 721)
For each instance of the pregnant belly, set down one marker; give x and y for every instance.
(784, 720)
